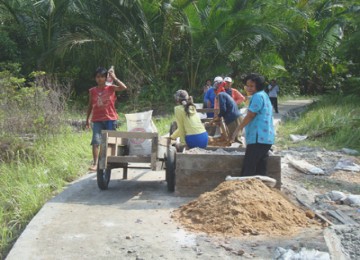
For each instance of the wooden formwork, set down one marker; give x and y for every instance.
(199, 173)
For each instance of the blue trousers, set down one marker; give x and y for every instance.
(198, 140)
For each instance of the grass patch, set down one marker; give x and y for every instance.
(333, 123)
(27, 183)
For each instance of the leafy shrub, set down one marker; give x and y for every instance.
(33, 108)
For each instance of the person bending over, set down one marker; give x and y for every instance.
(190, 129)
(228, 110)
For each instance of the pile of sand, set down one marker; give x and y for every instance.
(242, 207)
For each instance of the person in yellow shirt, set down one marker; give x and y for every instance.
(190, 128)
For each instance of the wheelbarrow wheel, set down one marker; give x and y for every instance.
(103, 178)
(170, 169)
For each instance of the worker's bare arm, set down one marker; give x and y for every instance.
(248, 118)
(119, 84)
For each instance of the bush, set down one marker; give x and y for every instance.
(35, 108)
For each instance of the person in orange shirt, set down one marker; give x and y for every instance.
(234, 93)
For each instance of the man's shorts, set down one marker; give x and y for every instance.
(101, 125)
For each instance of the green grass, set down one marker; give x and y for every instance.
(27, 183)
(163, 123)
(333, 122)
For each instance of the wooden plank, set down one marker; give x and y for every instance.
(154, 150)
(110, 151)
(206, 110)
(116, 148)
(111, 140)
(317, 213)
(320, 216)
(336, 215)
(129, 159)
(346, 217)
(342, 217)
(139, 135)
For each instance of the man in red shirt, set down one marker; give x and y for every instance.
(102, 108)
(234, 93)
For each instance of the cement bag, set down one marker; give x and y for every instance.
(140, 122)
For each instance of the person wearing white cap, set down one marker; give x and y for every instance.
(234, 93)
(209, 98)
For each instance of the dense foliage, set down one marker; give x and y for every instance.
(159, 45)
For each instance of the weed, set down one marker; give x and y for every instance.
(333, 122)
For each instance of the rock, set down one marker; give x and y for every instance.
(349, 151)
(352, 200)
(239, 252)
(298, 138)
(347, 164)
(304, 166)
(128, 237)
(304, 253)
(198, 251)
(337, 195)
(310, 214)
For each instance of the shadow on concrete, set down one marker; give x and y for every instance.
(143, 190)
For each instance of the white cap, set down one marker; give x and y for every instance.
(218, 79)
(227, 79)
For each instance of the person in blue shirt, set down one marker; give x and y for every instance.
(228, 109)
(259, 127)
(209, 98)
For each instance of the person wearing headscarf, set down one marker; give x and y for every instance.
(190, 128)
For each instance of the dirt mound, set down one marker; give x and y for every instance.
(242, 207)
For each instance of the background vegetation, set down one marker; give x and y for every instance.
(158, 46)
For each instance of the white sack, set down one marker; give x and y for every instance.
(140, 122)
